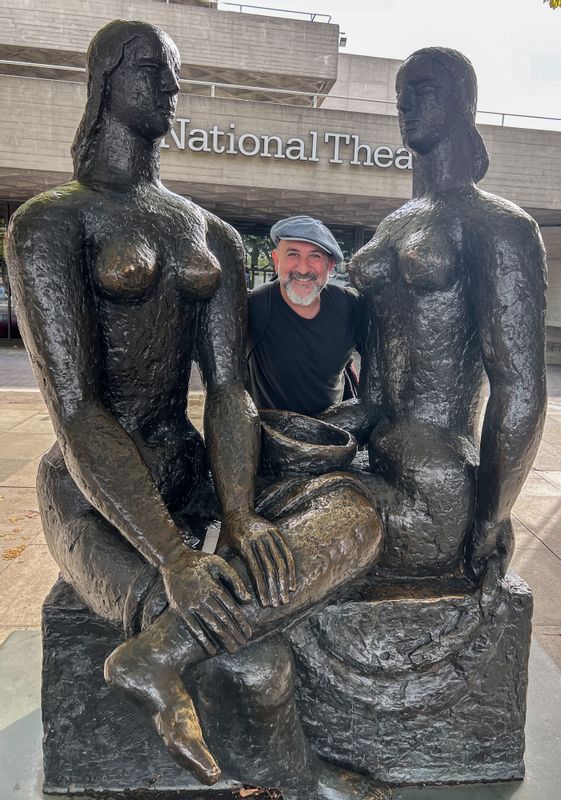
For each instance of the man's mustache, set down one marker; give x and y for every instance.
(309, 276)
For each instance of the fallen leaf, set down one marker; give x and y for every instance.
(13, 552)
(248, 792)
(14, 519)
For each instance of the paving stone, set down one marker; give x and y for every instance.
(548, 457)
(40, 422)
(551, 642)
(28, 580)
(541, 569)
(11, 416)
(25, 445)
(524, 538)
(9, 466)
(537, 484)
(24, 477)
(552, 431)
(542, 516)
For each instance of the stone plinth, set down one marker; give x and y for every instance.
(94, 741)
(420, 690)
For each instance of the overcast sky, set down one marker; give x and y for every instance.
(514, 45)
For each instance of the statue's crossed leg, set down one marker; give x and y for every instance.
(335, 535)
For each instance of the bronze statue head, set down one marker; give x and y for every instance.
(132, 69)
(437, 98)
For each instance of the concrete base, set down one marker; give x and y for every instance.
(94, 741)
(411, 690)
(421, 690)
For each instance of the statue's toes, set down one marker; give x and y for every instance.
(183, 737)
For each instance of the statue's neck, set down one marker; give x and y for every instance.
(449, 165)
(124, 159)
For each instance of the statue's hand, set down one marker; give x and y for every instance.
(266, 555)
(205, 591)
(490, 541)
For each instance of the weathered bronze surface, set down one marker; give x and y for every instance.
(119, 284)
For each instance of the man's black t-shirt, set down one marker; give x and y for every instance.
(298, 364)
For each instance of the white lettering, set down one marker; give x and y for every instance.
(383, 156)
(198, 141)
(215, 133)
(314, 156)
(337, 145)
(256, 144)
(180, 141)
(403, 159)
(356, 155)
(296, 150)
(266, 142)
(231, 151)
(216, 140)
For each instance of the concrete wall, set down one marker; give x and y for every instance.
(207, 39)
(552, 241)
(39, 118)
(364, 84)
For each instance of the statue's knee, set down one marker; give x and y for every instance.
(264, 673)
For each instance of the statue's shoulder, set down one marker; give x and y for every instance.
(222, 236)
(61, 205)
(500, 217)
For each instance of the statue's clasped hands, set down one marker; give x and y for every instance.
(266, 555)
(206, 592)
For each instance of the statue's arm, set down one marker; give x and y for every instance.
(231, 423)
(359, 415)
(508, 282)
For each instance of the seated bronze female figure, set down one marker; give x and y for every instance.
(119, 284)
(455, 284)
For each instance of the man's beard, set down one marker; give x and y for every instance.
(303, 300)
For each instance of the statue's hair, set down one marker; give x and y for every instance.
(104, 55)
(464, 89)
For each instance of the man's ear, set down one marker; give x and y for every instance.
(331, 265)
(275, 255)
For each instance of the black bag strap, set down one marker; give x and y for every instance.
(260, 300)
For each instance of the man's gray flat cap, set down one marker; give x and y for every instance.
(307, 229)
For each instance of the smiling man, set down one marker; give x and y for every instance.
(302, 329)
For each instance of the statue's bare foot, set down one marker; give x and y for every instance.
(182, 735)
(160, 690)
(334, 783)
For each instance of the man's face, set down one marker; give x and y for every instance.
(303, 269)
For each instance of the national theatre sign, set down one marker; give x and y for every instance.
(337, 148)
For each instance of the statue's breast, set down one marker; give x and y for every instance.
(427, 259)
(126, 269)
(197, 271)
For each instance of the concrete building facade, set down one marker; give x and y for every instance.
(272, 121)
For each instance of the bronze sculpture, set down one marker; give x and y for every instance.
(119, 284)
(455, 284)
(455, 281)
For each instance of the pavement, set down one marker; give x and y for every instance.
(27, 570)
